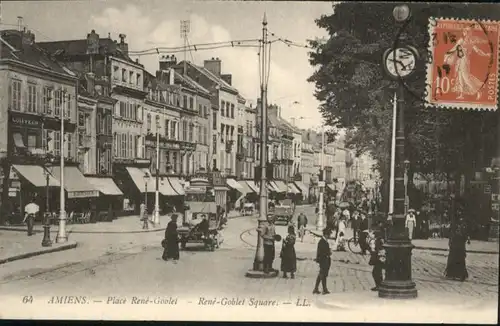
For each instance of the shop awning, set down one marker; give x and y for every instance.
(245, 187)
(137, 176)
(280, 186)
(331, 186)
(302, 187)
(166, 188)
(75, 183)
(176, 185)
(36, 174)
(293, 189)
(234, 184)
(251, 184)
(105, 185)
(271, 186)
(18, 140)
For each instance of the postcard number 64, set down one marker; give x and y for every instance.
(28, 299)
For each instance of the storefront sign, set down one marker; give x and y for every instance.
(25, 121)
(15, 184)
(141, 161)
(83, 194)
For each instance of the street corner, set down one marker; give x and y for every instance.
(32, 251)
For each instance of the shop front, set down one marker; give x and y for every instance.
(110, 199)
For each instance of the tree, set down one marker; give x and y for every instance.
(355, 94)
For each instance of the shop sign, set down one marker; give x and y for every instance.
(141, 161)
(12, 193)
(83, 194)
(25, 121)
(15, 184)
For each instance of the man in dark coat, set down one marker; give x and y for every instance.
(362, 235)
(323, 259)
(171, 243)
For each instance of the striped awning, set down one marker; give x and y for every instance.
(245, 188)
(280, 186)
(176, 185)
(293, 189)
(234, 184)
(302, 187)
(251, 184)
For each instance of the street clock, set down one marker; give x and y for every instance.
(400, 62)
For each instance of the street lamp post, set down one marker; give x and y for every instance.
(319, 222)
(61, 234)
(156, 214)
(398, 280)
(407, 201)
(146, 179)
(258, 265)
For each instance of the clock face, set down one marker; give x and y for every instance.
(400, 62)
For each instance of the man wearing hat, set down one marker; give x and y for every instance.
(410, 222)
(323, 258)
(363, 228)
(268, 233)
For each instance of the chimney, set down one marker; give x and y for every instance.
(171, 76)
(228, 78)
(123, 46)
(90, 77)
(28, 38)
(214, 66)
(92, 42)
(167, 61)
(19, 23)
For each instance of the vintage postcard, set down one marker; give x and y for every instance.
(249, 161)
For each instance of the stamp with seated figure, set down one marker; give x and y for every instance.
(463, 71)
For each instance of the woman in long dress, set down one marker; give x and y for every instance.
(410, 222)
(288, 256)
(456, 268)
(171, 243)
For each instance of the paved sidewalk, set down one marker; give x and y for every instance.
(476, 246)
(14, 246)
(126, 224)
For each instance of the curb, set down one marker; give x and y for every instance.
(38, 253)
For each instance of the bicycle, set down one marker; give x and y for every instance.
(353, 243)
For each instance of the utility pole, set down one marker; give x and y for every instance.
(185, 28)
(156, 213)
(258, 267)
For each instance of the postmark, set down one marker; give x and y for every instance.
(462, 71)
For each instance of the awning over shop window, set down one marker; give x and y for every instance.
(18, 140)
(75, 183)
(176, 184)
(246, 189)
(165, 188)
(36, 174)
(280, 186)
(293, 189)
(137, 176)
(302, 187)
(234, 184)
(271, 186)
(105, 185)
(331, 186)
(251, 184)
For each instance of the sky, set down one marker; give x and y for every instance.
(155, 23)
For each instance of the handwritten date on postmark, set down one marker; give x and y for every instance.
(463, 69)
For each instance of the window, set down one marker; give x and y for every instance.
(122, 109)
(124, 75)
(32, 140)
(191, 131)
(58, 102)
(222, 107)
(130, 146)
(57, 143)
(69, 147)
(200, 134)
(45, 134)
(214, 120)
(205, 137)
(46, 100)
(67, 105)
(116, 71)
(115, 144)
(191, 103)
(174, 161)
(131, 77)
(15, 95)
(173, 130)
(148, 122)
(185, 101)
(205, 111)
(31, 107)
(200, 110)
(232, 111)
(184, 130)
(123, 145)
(221, 132)
(167, 122)
(138, 80)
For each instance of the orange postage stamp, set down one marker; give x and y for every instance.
(463, 71)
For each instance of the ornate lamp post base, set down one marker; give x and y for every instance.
(398, 283)
(46, 242)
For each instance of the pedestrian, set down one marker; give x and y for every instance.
(410, 222)
(377, 257)
(456, 268)
(339, 240)
(30, 212)
(287, 255)
(363, 233)
(268, 233)
(323, 259)
(354, 222)
(302, 225)
(171, 241)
